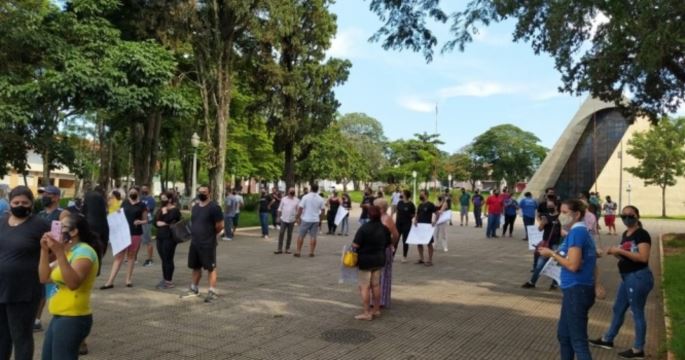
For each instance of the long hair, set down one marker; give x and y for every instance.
(78, 221)
(637, 212)
(576, 205)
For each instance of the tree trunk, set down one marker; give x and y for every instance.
(663, 201)
(289, 165)
(46, 168)
(152, 141)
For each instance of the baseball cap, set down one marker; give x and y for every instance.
(52, 190)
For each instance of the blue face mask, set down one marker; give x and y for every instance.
(629, 221)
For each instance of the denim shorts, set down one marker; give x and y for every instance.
(311, 228)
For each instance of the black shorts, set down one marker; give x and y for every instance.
(203, 257)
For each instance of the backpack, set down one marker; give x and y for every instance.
(180, 231)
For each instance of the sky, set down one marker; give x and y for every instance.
(494, 81)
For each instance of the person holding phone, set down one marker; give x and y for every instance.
(73, 275)
(20, 290)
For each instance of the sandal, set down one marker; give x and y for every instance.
(296, 255)
(288, 252)
(429, 263)
(419, 262)
(129, 285)
(311, 255)
(106, 287)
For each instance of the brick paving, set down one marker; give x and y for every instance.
(468, 306)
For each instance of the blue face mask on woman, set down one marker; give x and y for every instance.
(629, 220)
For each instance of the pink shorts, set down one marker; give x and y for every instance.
(135, 243)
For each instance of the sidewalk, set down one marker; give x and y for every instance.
(468, 306)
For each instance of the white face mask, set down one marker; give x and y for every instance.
(566, 220)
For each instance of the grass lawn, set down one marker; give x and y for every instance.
(674, 287)
(678, 217)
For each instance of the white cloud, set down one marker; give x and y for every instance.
(346, 43)
(416, 104)
(485, 37)
(478, 89)
(600, 19)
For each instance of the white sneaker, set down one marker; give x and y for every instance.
(445, 249)
(266, 237)
(404, 259)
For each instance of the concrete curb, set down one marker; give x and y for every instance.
(667, 319)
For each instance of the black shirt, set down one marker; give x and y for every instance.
(630, 243)
(171, 217)
(19, 255)
(276, 197)
(346, 202)
(334, 204)
(134, 212)
(203, 224)
(552, 230)
(424, 214)
(264, 201)
(477, 200)
(372, 238)
(95, 211)
(368, 200)
(50, 216)
(405, 213)
(448, 199)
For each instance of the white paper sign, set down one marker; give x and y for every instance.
(420, 234)
(340, 215)
(552, 270)
(535, 236)
(445, 217)
(119, 233)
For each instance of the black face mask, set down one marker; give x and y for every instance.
(164, 202)
(46, 201)
(292, 193)
(422, 198)
(144, 193)
(202, 197)
(133, 197)
(551, 210)
(21, 211)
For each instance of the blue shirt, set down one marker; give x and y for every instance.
(4, 206)
(579, 237)
(528, 207)
(510, 207)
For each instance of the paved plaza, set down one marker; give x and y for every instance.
(468, 306)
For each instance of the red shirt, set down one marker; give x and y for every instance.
(495, 204)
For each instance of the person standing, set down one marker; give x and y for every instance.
(150, 205)
(395, 199)
(20, 289)
(551, 238)
(333, 205)
(264, 211)
(136, 216)
(424, 215)
(230, 210)
(206, 224)
(441, 229)
(167, 215)
(494, 206)
(239, 205)
(528, 207)
(309, 213)
(50, 196)
(346, 203)
(386, 274)
(371, 241)
(637, 281)
(366, 202)
(113, 202)
(578, 260)
(464, 203)
(406, 210)
(287, 213)
(275, 203)
(610, 208)
(73, 276)
(477, 201)
(511, 207)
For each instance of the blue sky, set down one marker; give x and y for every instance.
(495, 81)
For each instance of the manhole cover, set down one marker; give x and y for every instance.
(347, 336)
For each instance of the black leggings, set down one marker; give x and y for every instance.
(331, 221)
(166, 247)
(16, 329)
(509, 221)
(404, 234)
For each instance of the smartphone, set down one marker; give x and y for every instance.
(56, 230)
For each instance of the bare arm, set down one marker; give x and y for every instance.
(642, 255)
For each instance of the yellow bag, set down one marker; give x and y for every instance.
(350, 258)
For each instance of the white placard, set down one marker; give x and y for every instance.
(420, 234)
(535, 236)
(119, 232)
(552, 270)
(340, 215)
(445, 217)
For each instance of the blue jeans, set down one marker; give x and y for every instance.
(345, 225)
(264, 222)
(632, 293)
(493, 224)
(572, 329)
(541, 262)
(228, 226)
(477, 214)
(528, 221)
(64, 336)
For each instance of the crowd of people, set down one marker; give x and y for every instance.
(39, 265)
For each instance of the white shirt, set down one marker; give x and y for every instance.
(288, 209)
(395, 198)
(311, 205)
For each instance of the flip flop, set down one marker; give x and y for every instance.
(419, 262)
(106, 287)
(296, 255)
(129, 285)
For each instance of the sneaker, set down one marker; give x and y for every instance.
(147, 263)
(445, 249)
(190, 293)
(37, 326)
(553, 287)
(600, 343)
(266, 237)
(228, 239)
(211, 295)
(528, 285)
(630, 354)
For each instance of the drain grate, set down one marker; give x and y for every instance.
(347, 336)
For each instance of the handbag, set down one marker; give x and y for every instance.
(180, 231)
(350, 257)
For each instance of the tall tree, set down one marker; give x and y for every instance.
(512, 153)
(639, 47)
(661, 152)
(366, 134)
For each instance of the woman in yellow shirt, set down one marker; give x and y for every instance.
(73, 277)
(114, 202)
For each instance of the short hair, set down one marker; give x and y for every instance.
(116, 194)
(374, 213)
(381, 203)
(21, 190)
(315, 188)
(407, 194)
(527, 194)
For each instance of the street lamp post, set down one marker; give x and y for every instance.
(195, 142)
(628, 190)
(449, 182)
(413, 174)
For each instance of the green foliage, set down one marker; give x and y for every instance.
(332, 156)
(511, 153)
(674, 288)
(365, 135)
(420, 154)
(639, 49)
(661, 152)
